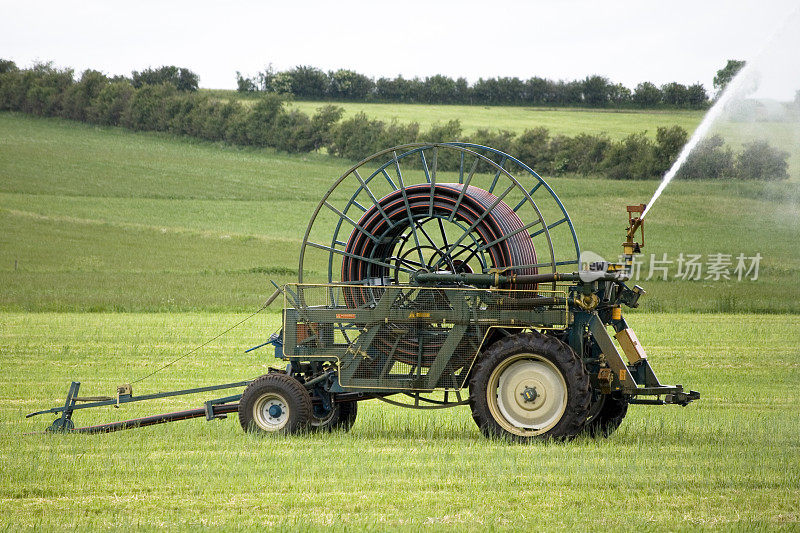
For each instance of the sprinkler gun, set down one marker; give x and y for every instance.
(635, 223)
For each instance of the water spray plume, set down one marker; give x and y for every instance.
(742, 84)
(736, 85)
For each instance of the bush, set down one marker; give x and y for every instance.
(631, 158)
(42, 100)
(78, 97)
(597, 91)
(245, 85)
(292, 132)
(560, 152)
(148, 108)
(180, 111)
(110, 104)
(669, 143)
(647, 95)
(322, 124)
(182, 79)
(45, 90)
(6, 65)
(11, 90)
(708, 160)
(582, 154)
(260, 121)
(533, 149)
(760, 161)
(357, 137)
(450, 131)
(396, 134)
(502, 140)
(236, 129)
(349, 85)
(38, 90)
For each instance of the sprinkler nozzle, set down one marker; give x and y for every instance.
(634, 223)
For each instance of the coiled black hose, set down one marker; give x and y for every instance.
(407, 343)
(515, 250)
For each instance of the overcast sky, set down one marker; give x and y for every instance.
(627, 41)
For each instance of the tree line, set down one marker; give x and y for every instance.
(311, 83)
(169, 102)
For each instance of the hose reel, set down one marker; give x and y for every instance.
(450, 207)
(401, 211)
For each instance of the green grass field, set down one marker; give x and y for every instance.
(726, 461)
(103, 219)
(120, 251)
(566, 121)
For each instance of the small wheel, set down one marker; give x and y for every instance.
(340, 418)
(606, 415)
(275, 403)
(59, 425)
(530, 387)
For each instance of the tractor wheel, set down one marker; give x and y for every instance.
(530, 387)
(275, 403)
(340, 418)
(606, 415)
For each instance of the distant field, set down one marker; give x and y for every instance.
(617, 124)
(568, 121)
(728, 461)
(105, 219)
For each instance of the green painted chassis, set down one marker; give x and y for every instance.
(337, 366)
(357, 363)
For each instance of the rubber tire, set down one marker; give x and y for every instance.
(565, 360)
(297, 399)
(342, 420)
(608, 418)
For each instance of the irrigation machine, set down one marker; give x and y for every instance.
(433, 276)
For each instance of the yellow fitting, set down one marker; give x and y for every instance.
(616, 313)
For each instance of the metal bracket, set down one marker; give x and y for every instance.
(64, 422)
(210, 404)
(612, 356)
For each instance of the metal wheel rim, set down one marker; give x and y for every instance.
(261, 414)
(508, 407)
(596, 407)
(325, 419)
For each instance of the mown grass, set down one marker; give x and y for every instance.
(99, 219)
(726, 461)
(103, 219)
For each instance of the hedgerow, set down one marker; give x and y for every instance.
(169, 104)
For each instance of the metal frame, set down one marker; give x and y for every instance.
(367, 321)
(213, 408)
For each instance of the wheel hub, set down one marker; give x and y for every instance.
(530, 394)
(271, 412)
